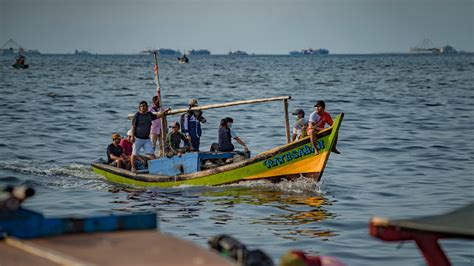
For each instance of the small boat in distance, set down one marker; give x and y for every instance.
(183, 59)
(20, 61)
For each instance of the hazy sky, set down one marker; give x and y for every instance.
(255, 26)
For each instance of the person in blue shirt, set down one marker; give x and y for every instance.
(191, 125)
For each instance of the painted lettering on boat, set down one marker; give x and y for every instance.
(292, 155)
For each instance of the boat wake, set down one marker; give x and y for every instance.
(299, 185)
(74, 175)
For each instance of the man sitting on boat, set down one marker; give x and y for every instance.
(141, 127)
(115, 154)
(301, 125)
(317, 121)
(173, 141)
(191, 123)
(226, 134)
(127, 146)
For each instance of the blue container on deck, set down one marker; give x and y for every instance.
(186, 164)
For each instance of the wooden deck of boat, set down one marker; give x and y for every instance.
(113, 248)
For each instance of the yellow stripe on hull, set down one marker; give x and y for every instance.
(313, 164)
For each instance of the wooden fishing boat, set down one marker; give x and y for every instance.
(289, 161)
(426, 231)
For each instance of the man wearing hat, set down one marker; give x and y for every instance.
(301, 125)
(115, 154)
(191, 125)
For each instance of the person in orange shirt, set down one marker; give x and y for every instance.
(317, 122)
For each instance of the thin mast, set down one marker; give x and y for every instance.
(158, 93)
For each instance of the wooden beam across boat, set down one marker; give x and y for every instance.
(221, 105)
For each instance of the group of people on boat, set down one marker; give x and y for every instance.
(184, 136)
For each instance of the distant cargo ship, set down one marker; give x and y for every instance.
(12, 48)
(238, 52)
(427, 47)
(310, 51)
(199, 52)
(163, 51)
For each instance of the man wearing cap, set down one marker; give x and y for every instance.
(191, 125)
(300, 126)
(115, 154)
(317, 121)
(127, 144)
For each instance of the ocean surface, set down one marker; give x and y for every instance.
(406, 140)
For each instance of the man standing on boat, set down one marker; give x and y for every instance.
(141, 127)
(317, 121)
(156, 124)
(191, 125)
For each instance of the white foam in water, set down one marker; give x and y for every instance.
(299, 185)
(56, 175)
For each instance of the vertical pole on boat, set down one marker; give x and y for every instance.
(164, 123)
(287, 121)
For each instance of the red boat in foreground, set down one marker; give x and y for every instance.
(427, 230)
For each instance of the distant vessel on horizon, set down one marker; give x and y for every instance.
(198, 52)
(83, 52)
(427, 47)
(11, 48)
(162, 51)
(311, 51)
(238, 53)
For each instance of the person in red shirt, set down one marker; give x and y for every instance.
(317, 122)
(127, 146)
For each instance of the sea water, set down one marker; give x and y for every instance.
(406, 140)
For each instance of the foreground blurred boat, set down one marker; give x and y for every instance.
(293, 160)
(427, 230)
(28, 238)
